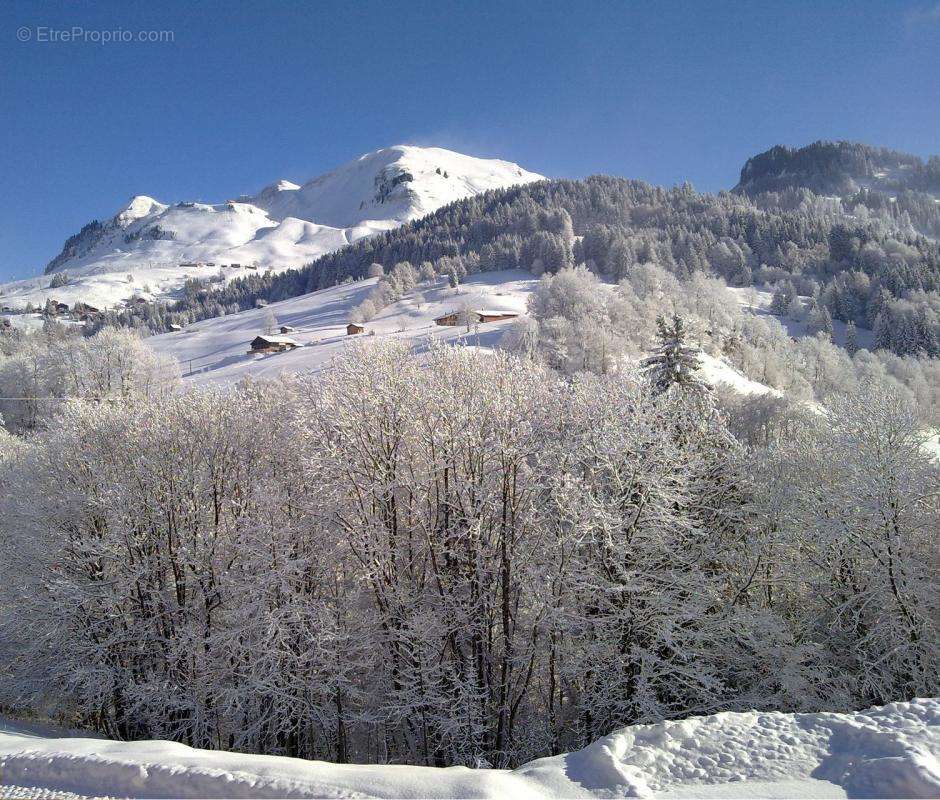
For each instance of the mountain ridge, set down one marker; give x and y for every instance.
(838, 168)
(150, 248)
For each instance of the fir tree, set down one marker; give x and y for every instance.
(783, 297)
(883, 338)
(851, 339)
(819, 320)
(674, 363)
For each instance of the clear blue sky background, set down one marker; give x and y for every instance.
(252, 91)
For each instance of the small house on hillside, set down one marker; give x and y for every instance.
(85, 311)
(353, 328)
(287, 329)
(495, 315)
(474, 316)
(272, 344)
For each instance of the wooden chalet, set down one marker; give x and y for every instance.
(272, 344)
(353, 328)
(85, 311)
(475, 316)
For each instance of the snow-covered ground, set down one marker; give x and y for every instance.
(891, 751)
(716, 371)
(216, 350)
(150, 248)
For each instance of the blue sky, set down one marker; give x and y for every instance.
(248, 92)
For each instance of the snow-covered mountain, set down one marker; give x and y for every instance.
(149, 248)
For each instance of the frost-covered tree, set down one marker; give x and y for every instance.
(50, 367)
(819, 321)
(674, 363)
(269, 321)
(853, 503)
(58, 280)
(851, 338)
(459, 556)
(783, 297)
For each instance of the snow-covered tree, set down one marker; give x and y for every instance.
(674, 363)
(851, 338)
(269, 321)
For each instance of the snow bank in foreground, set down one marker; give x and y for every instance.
(891, 751)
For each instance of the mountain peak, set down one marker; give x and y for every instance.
(398, 183)
(284, 225)
(137, 207)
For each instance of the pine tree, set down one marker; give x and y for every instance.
(851, 339)
(782, 298)
(674, 363)
(883, 333)
(819, 320)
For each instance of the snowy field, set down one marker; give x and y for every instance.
(215, 351)
(891, 751)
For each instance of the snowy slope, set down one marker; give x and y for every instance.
(891, 751)
(216, 350)
(285, 225)
(717, 372)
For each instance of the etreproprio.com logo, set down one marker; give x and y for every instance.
(78, 34)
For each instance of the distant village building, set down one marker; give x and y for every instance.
(474, 316)
(272, 344)
(353, 328)
(175, 326)
(287, 329)
(85, 311)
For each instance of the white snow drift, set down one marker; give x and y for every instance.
(890, 751)
(150, 248)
